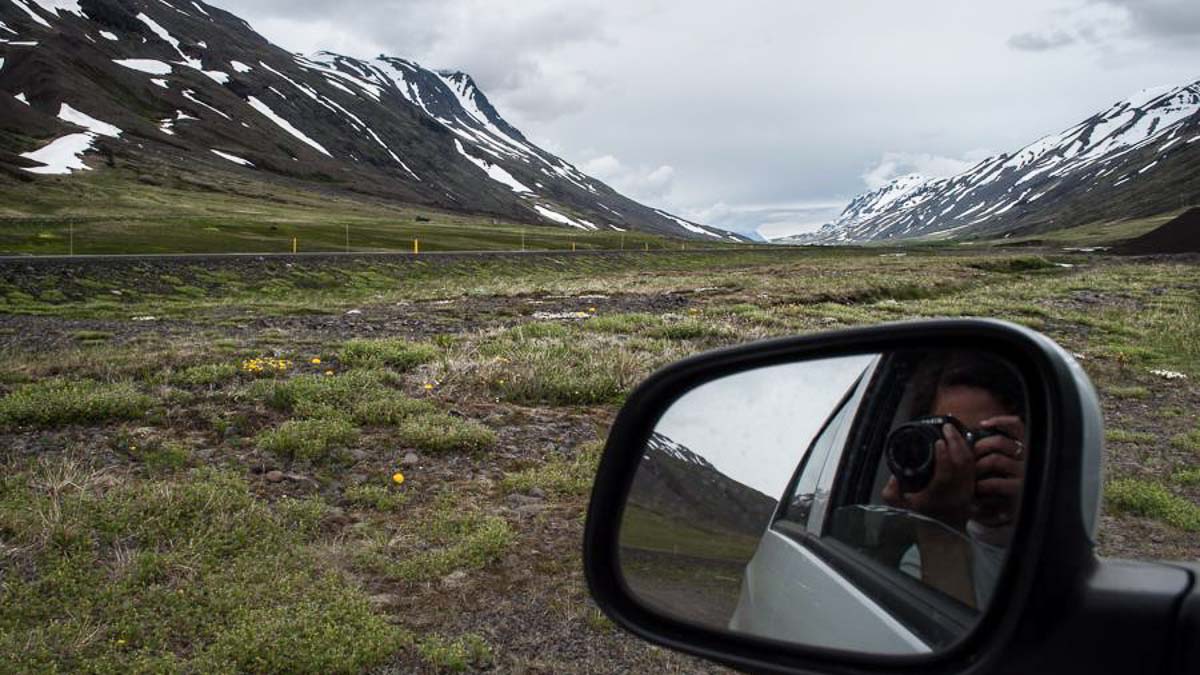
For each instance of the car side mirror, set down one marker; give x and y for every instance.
(915, 495)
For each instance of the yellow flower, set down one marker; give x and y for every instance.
(398, 478)
(316, 361)
(592, 310)
(120, 643)
(328, 373)
(428, 386)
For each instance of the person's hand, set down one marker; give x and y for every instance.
(951, 492)
(999, 472)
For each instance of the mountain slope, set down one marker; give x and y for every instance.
(673, 480)
(1137, 158)
(170, 88)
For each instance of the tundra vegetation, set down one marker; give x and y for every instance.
(330, 465)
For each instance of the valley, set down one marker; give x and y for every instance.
(341, 464)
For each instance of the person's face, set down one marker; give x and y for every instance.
(971, 405)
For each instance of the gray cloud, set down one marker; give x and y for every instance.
(1040, 42)
(734, 117)
(1160, 18)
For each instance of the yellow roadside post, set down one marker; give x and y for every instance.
(295, 245)
(416, 246)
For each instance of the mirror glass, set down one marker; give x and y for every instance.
(862, 503)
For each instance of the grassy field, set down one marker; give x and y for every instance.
(110, 213)
(341, 465)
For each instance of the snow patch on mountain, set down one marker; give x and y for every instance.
(149, 66)
(266, 111)
(69, 114)
(495, 172)
(63, 155)
(232, 158)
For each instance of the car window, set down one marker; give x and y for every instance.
(798, 503)
(872, 545)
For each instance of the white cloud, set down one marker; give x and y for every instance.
(768, 220)
(895, 164)
(642, 183)
(801, 103)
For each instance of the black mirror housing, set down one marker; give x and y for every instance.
(1053, 562)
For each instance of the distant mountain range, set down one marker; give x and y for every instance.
(178, 87)
(1139, 157)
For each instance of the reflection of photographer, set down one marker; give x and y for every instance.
(963, 465)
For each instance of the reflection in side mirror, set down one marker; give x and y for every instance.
(860, 503)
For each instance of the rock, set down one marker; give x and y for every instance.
(359, 455)
(301, 478)
(410, 459)
(523, 500)
(531, 509)
(537, 492)
(384, 599)
(454, 579)
(274, 476)
(354, 312)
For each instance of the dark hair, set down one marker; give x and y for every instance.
(970, 368)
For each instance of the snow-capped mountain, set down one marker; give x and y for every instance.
(1139, 157)
(168, 89)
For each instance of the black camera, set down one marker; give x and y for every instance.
(910, 453)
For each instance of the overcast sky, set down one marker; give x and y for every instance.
(768, 115)
(756, 426)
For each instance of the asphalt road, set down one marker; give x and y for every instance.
(35, 260)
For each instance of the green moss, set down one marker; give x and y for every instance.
(457, 655)
(375, 497)
(206, 375)
(1123, 436)
(193, 575)
(560, 475)
(449, 539)
(1189, 477)
(1133, 392)
(1187, 441)
(1152, 500)
(59, 402)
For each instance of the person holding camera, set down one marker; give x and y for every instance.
(971, 487)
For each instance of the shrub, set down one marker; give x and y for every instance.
(467, 651)
(442, 432)
(563, 373)
(560, 475)
(442, 542)
(339, 392)
(58, 402)
(390, 409)
(375, 497)
(205, 375)
(393, 353)
(310, 440)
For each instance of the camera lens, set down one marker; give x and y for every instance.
(910, 454)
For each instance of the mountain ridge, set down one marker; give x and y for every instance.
(1136, 158)
(191, 87)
